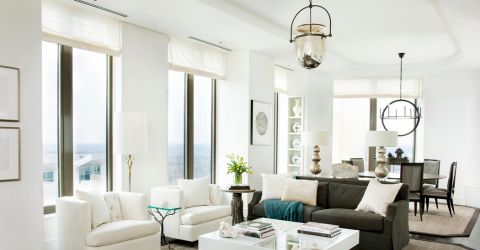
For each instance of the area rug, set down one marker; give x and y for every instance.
(413, 245)
(437, 222)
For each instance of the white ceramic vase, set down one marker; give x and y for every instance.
(297, 109)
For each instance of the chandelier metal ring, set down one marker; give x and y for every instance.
(417, 115)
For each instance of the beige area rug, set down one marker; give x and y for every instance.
(437, 222)
(413, 245)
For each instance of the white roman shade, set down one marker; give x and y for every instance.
(195, 58)
(373, 88)
(281, 80)
(80, 28)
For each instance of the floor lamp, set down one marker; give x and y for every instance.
(130, 137)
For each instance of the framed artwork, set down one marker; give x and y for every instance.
(9, 154)
(9, 94)
(261, 123)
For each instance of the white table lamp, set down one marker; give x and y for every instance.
(382, 139)
(130, 137)
(317, 138)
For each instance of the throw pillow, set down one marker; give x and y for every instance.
(378, 196)
(304, 191)
(113, 203)
(98, 206)
(273, 185)
(195, 192)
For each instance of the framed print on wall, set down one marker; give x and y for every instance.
(261, 123)
(9, 94)
(9, 154)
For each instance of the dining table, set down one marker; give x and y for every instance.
(396, 175)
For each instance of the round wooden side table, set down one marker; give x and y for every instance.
(237, 204)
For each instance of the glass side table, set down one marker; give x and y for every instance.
(159, 214)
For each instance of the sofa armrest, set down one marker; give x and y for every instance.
(396, 223)
(73, 223)
(257, 196)
(169, 196)
(134, 206)
(217, 197)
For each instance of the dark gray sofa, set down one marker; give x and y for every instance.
(336, 203)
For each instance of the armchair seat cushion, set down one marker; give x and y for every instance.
(202, 214)
(120, 231)
(349, 218)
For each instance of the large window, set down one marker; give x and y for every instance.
(191, 113)
(76, 121)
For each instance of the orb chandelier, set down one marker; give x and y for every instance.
(414, 112)
(310, 39)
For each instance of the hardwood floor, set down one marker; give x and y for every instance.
(472, 242)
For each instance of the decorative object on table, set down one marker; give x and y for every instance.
(310, 39)
(296, 143)
(410, 115)
(9, 154)
(9, 94)
(237, 166)
(317, 138)
(296, 159)
(399, 159)
(130, 137)
(237, 204)
(239, 187)
(297, 109)
(160, 214)
(261, 123)
(343, 170)
(227, 231)
(382, 139)
(297, 127)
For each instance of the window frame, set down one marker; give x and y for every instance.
(65, 173)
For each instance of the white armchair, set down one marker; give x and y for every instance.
(189, 223)
(131, 226)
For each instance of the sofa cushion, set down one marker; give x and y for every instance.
(120, 231)
(98, 206)
(378, 196)
(349, 218)
(273, 186)
(322, 194)
(344, 195)
(304, 191)
(259, 211)
(195, 192)
(113, 203)
(199, 215)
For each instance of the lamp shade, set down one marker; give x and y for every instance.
(382, 138)
(317, 138)
(130, 133)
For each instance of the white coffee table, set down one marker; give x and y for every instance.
(287, 238)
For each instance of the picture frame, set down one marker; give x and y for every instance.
(9, 94)
(9, 154)
(261, 123)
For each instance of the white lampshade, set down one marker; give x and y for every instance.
(382, 138)
(130, 133)
(317, 138)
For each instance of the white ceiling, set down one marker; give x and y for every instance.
(367, 34)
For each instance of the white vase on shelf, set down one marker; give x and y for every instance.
(297, 109)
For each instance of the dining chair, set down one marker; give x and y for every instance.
(431, 166)
(442, 193)
(412, 174)
(347, 162)
(359, 163)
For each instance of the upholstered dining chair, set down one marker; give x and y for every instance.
(359, 163)
(412, 174)
(347, 162)
(431, 166)
(441, 193)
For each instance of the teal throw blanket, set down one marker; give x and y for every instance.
(284, 210)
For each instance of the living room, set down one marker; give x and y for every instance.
(132, 99)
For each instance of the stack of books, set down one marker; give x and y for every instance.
(256, 229)
(239, 187)
(319, 229)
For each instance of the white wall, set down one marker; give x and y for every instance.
(21, 209)
(319, 110)
(452, 122)
(143, 89)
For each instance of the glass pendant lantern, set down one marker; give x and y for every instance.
(310, 39)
